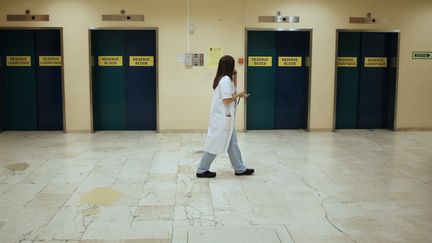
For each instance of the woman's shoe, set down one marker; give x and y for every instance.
(246, 172)
(206, 174)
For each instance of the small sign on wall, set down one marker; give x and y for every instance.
(260, 61)
(375, 62)
(422, 55)
(347, 61)
(215, 53)
(110, 61)
(50, 61)
(141, 61)
(18, 61)
(289, 61)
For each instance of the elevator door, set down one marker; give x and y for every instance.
(292, 81)
(31, 80)
(109, 102)
(141, 80)
(279, 85)
(124, 79)
(261, 81)
(20, 80)
(373, 85)
(366, 91)
(348, 78)
(49, 79)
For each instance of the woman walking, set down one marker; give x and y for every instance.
(221, 136)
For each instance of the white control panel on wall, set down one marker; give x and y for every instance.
(191, 59)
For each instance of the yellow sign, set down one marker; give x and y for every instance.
(18, 61)
(110, 61)
(215, 53)
(347, 61)
(375, 62)
(290, 61)
(50, 61)
(259, 61)
(141, 61)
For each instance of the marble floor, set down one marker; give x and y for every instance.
(349, 186)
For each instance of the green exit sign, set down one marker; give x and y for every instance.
(422, 55)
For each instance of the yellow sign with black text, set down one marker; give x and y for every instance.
(18, 61)
(290, 61)
(263, 61)
(110, 61)
(141, 61)
(376, 62)
(50, 61)
(347, 61)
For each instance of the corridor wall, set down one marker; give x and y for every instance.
(185, 94)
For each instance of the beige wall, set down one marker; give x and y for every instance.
(184, 94)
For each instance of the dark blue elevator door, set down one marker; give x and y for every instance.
(49, 81)
(20, 80)
(349, 45)
(373, 85)
(291, 91)
(261, 81)
(141, 80)
(109, 102)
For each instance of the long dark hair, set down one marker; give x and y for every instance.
(225, 67)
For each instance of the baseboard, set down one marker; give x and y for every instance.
(33, 131)
(191, 131)
(182, 131)
(412, 129)
(78, 131)
(321, 130)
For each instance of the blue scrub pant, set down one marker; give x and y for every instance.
(233, 153)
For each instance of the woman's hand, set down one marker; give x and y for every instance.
(242, 95)
(234, 98)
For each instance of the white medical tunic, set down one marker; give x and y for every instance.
(222, 118)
